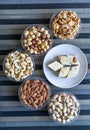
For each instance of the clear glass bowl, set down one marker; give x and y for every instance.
(21, 101)
(11, 78)
(51, 36)
(60, 123)
(50, 25)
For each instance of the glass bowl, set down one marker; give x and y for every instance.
(35, 25)
(71, 121)
(50, 25)
(29, 107)
(11, 78)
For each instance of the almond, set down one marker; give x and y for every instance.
(47, 97)
(25, 87)
(29, 90)
(58, 58)
(35, 105)
(40, 98)
(34, 93)
(25, 102)
(23, 96)
(27, 82)
(75, 59)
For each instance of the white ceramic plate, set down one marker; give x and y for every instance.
(65, 49)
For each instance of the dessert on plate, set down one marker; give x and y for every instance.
(67, 66)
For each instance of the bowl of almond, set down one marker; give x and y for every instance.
(37, 39)
(34, 93)
(65, 24)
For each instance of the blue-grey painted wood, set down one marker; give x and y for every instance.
(41, 1)
(13, 19)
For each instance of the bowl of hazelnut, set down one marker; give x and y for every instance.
(37, 39)
(65, 24)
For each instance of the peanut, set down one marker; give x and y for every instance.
(62, 107)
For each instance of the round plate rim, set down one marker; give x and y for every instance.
(86, 62)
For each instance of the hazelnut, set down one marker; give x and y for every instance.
(38, 28)
(25, 41)
(33, 36)
(42, 29)
(33, 28)
(46, 32)
(29, 39)
(39, 42)
(31, 33)
(26, 33)
(30, 43)
(38, 34)
(31, 51)
(48, 35)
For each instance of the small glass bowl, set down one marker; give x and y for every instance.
(50, 25)
(30, 26)
(32, 108)
(60, 123)
(11, 78)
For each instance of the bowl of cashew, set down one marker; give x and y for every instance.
(18, 65)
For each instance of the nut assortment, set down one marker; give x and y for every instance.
(65, 25)
(64, 107)
(18, 65)
(34, 93)
(37, 39)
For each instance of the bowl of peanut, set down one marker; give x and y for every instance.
(37, 39)
(64, 108)
(18, 65)
(34, 93)
(65, 25)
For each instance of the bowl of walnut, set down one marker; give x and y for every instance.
(36, 39)
(65, 25)
(18, 65)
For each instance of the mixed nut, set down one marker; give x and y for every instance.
(36, 39)
(64, 107)
(18, 65)
(65, 25)
(34, 93)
